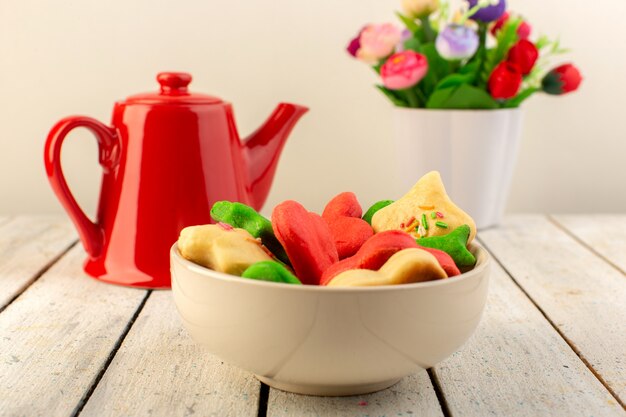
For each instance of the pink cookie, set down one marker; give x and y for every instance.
(343, 205)
(349, 231)
(306, 239)
(373, 254)
(444, 260)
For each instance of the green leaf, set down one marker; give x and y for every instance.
(454, 80)
(429, 33)
(436, 63)
(506, 38)
(542, 42)
(518, 99)
(409, 23)
(469, 68)
(464, 96)
(438, 99)
(412, 44)
(438, 68)
(394, 96)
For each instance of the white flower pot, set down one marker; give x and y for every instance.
(474, 150)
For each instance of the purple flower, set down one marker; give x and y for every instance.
(404, 36)
(457, 42)
(488, 13)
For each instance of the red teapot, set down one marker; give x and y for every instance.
(166, 158)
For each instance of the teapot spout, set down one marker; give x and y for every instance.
(262, 150)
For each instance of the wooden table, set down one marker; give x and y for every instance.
(552, 341)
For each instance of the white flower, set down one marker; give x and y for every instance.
(419, 8)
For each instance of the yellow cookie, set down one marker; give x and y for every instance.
(225, 250)
(426, 210)
(404, 267)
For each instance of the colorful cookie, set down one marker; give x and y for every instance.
(425, 211)
(306, 239)
(245, 217)
(454, 244)
(374, 208)
(373, 254)
(404, 267)
(349, 234)
(445, 261)
(270, 271)
(349, 231)
(343, 205)
(221, 248)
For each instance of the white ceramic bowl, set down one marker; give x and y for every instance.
(329, 341)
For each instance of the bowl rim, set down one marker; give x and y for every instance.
(483, 261)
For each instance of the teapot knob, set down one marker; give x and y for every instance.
(174, 83)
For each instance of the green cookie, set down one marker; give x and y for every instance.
(244, 217)
(375, 207)
(454, 244)
(270, 271)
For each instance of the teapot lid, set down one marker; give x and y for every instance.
(173, 91)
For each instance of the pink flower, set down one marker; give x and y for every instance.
(377, 42)
(355, 44)
(403, 70)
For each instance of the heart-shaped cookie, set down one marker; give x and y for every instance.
(349, 231)
(306, 239)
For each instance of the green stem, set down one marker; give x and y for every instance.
(482, 50)
(471, 12)
(421, 96)
(429, 33)
(412, 98)
(455, 66)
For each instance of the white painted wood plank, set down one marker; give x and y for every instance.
(28, 244)
(159, 371)
(579, 292)
(56, 337)
(413, 396)
(517, 365)
(603, 233)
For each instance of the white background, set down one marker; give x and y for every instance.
(77, 57)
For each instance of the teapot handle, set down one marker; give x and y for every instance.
(91, 234)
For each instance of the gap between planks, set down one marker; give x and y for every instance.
(38, 275)
(434, 379)
(116, 347)
(29, 246)
(264, 395)
(554, 326)
(578, 239)
(160, 371)
(56, 345)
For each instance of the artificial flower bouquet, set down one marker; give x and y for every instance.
(481, 57)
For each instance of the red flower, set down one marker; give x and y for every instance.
(562, 79)
(505, 80)
(524, 53)
(523, 31)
